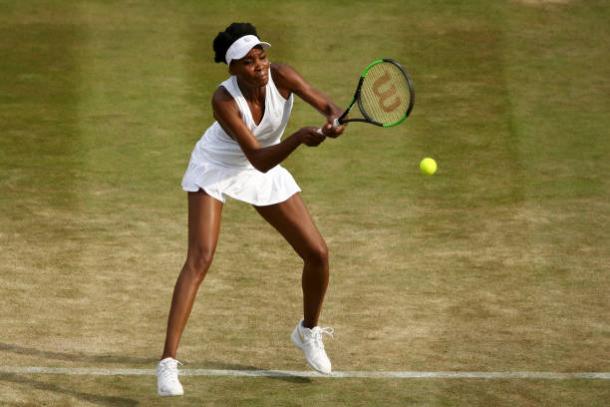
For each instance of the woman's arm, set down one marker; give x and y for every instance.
(288, 80)
(262, 158)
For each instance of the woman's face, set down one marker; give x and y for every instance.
(253, 69)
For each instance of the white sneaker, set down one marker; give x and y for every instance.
(310, 342)
(167, 378)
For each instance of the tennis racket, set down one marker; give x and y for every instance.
(385, 95)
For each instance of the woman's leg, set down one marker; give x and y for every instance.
(203, 229)
(294, 222)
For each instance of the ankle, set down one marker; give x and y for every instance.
(309, 324)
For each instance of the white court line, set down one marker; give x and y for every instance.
(87, 371)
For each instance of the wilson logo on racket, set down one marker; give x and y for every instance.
(384, 95)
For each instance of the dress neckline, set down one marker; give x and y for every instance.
(266, 107)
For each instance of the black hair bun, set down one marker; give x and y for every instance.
(225, 38)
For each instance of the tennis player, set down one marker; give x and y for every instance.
(239, 157)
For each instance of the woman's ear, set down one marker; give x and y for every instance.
(231, 71)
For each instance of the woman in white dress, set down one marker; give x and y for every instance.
(239, 156)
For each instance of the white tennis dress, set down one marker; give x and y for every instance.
(219, 166)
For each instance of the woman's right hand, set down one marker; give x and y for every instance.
(311, 136)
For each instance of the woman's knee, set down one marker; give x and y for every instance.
(199, 261)
(317, 254)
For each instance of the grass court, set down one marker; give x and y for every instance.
(498, 263)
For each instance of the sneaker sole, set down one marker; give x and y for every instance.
(167, 394)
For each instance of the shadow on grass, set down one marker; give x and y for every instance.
(283, 376)
(131, 360)
(75, 357)
(88, 397)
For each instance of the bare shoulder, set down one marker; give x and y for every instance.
(286, 77)
(223, 103)
(221, 95)
(281, 70)
(222, 99)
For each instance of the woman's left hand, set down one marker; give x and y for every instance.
(333, 132)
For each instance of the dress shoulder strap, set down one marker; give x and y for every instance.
(231, 86)
(274, 91)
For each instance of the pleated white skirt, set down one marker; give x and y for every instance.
(245, 184)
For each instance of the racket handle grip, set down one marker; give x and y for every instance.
(335, 125)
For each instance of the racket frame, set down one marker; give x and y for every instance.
(367, 118)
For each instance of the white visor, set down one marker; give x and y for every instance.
(242, 46)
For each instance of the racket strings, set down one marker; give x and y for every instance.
(385, 94)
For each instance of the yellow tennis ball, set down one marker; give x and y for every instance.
(428, 166)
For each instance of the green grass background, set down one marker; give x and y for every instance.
(498, 262)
